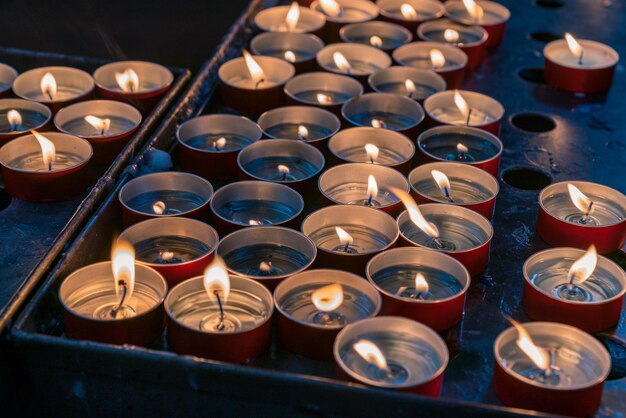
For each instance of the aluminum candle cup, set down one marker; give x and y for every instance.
(355, 60)
(107, 125)
(471, 39)
(365, 233)
(382, 35)
(285, 161)
(593, 304)
(192, 318)
(7, 76)
(414, 355)
(30, 175)
(67, 85)
(352, 184)
(298, 49)
(349, 11)
(210, 144)
(166, 194)
(463, 234)
(493, 19)
(258, 93)
(417, 11)
(469, 187)
(30, 115)
(479, 110)
(446, 60)
(592, 74)
(561, 223)
(255, 203)
(267, 254)
(574, 385)
(88, 298)
(315, 305)
(407, 81)
(461, 144)
(178, 248)
(274, 19)
(325, 90)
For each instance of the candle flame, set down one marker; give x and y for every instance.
(575, 48)
(219, 144)
(579, 199)
(324, 99)
(48, 150)
(410, 87)
(408, 11)
(437, 58)
(583, 268)
(254, 222)
(123, 266)
(342, 62)
(331, 8)
(421, 285)
(371, 353)
(216, 281)
(255, 70)
(265, 266)
(372, 187)
(344, 237)
(461, 148)
(377, 123)
(474, 10)
(293, 15)
(415, 214)
(537, 355)
(372, 152)
(49, 85)
(450, 35)
(442, 181)
(127, 80)
(376, 41)
(14, 118)
(158, 207)
(328, 298)
(283, 169)
(461, 104)
(166, 255)
(303, 132)
(290, 56)
(101, 125)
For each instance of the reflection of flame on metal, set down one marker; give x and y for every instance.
(127, 80)
(408, 11)
(372, 152)
(437, 58)
(371, 353)
(328, 298)
(342, 62)
(583, 268)
(48, 150)
(254, 69)
(331, 8)
(293, 15)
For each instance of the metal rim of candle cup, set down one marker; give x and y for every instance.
(8, 75)
(276, 235)
(456, 129)
(388, 324)
(591, 346)
(386, 178)
(30, 81)
(442, 24)
(62, 142)
(217, 124)
(21, 104)
(382, 138)
(352, 52)
(258, 190)
(323, 81)
(323, 277)
(456, 11)
(400, 74)
(561, 44)
(368, 7)
(589, 189)
(276, 70)
(268, 41)
(479, 101)
(382, 29)
(167, 180)
(348, 215)
(155, 73)
(432, 8)
(101, 109)
(388, 102)
(281, 148)
(421, 49)
(300, 115)
(267, 19)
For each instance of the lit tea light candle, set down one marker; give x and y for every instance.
(382, 35)
(393, 353)
(446, 60)
(489, 15)
(7, 75)
(341, 12)
(325, 90)
(470, 39)
(410, 13)
(407, 81)
(356, 60)
(464, 108)
(313, 306)
(298, 49)
(546, 360)
(18, 116)
(292, 18)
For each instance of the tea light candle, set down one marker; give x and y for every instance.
(293, 19)
(254, 84)
(465, 108)
(392, 353)
(178, 248)
(210, 144)
(355, 60)
(550, 367)
(267, 254)
(18, 116)
(489, 15)
(382, 35)
(325, 90)
(298, 49)
(313, 306)
(46, 168)
(574, 287)
(471, 39)
(349, 235)
(107, 125)
(407, 81)
(455, 184)
(578, 214)
(7, 76)
(255, 203)
(446, 60)
(410, 13)
(219, 316)
(579, 65)
(114, 302)
(462, 144)
(55, 87)
(341, 12)
(167, 194)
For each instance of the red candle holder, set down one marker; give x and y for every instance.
(446, 60)
(411, 17)
(407, 81)
(298, 49)
(309, 317)
(385, 36)
(30, 115)
(324, 90)
(493, 20)
(561, 223)
(406, 370)
(355, 60)
(275, 19)
(8, 74)
(349, 11)
(471, 39)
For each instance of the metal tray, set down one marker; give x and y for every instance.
(78, 377)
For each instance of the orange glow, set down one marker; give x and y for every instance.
(254, 69)
(421, 285)
(216, 281)
(410, 87)
(450, 35)
(372, 187)
(158, 207)
(293, 15)
(331, 8)
(48, 150)
(290, 56)
(14, 118)
(101, 125)
(408, 11)
(128, 80)
(372, 152)
(437, 58)
(123, 265)
(473, 9)
(342, 62)
(324, 99)
(371, 353)
(49, 85)
(328, 298)
(376, 41)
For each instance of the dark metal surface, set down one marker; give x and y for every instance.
(589, 143)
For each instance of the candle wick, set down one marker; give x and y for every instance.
(438, 243)
(580, 59)
(346, 249)
(115, 310)
(469, 115)
(50, 166)
(258, 83)
(585, 217)
(49, 95)
(446, 191)
(551, 353)
(220, 325)
(284, 176)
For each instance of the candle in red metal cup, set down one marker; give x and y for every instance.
(407, 81)
(349, 235)
(55, 87)
(464, 108)
(446, 60)
(298, 49)
(392, 352)
(178, 248)
(470, 39)
(18, 116)
(210, 144)
(574, 287)
(324, 90)
(455, 184)
(578, 214)
(550, 367)
(8, 74)
(46, 168)
(339, 13)
(219, 316)
(382, 35)
(355, 60)
(313, 306)
(579, 65)
(293, 19)
(410, 13)
(107, 125)
(489, 15)
(254, 84)
(166, 194)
